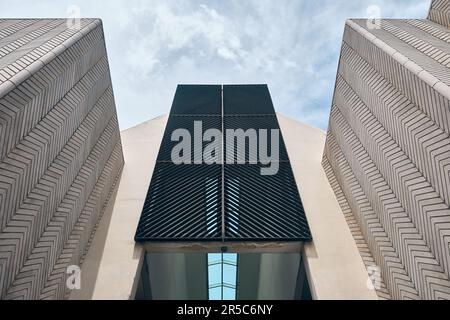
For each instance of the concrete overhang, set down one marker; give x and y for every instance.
(229, 247)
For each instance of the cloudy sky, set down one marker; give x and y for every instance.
(292, 45)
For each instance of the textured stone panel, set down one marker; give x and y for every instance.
(60, 150)
(387, 153)
(440, 12)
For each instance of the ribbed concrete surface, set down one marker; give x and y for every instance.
(60, 150)
(387, 153)
(440, 12)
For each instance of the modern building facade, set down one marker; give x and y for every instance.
(223, 194)
(358, 212)
(117, 267)
(60, 151)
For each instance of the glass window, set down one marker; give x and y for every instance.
(222, 276)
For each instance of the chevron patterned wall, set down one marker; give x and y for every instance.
(387, 153)
(60, 150)
(440, 12)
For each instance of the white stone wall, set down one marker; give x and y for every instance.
(60, 150)
(388, 151)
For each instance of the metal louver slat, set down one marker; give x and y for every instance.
(255, 122)
(263, 207)
(185, 122)
(182, 203)
(197, 100)
(247, 99)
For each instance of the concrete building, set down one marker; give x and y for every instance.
(387, 153)
(358, 212)
(60, 151)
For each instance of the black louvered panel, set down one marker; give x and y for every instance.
(263, 208)
(187, 122)
(247, 99)
(184, 202)
(255, 122)
(197, 99)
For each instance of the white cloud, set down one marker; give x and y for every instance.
(153, 45)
